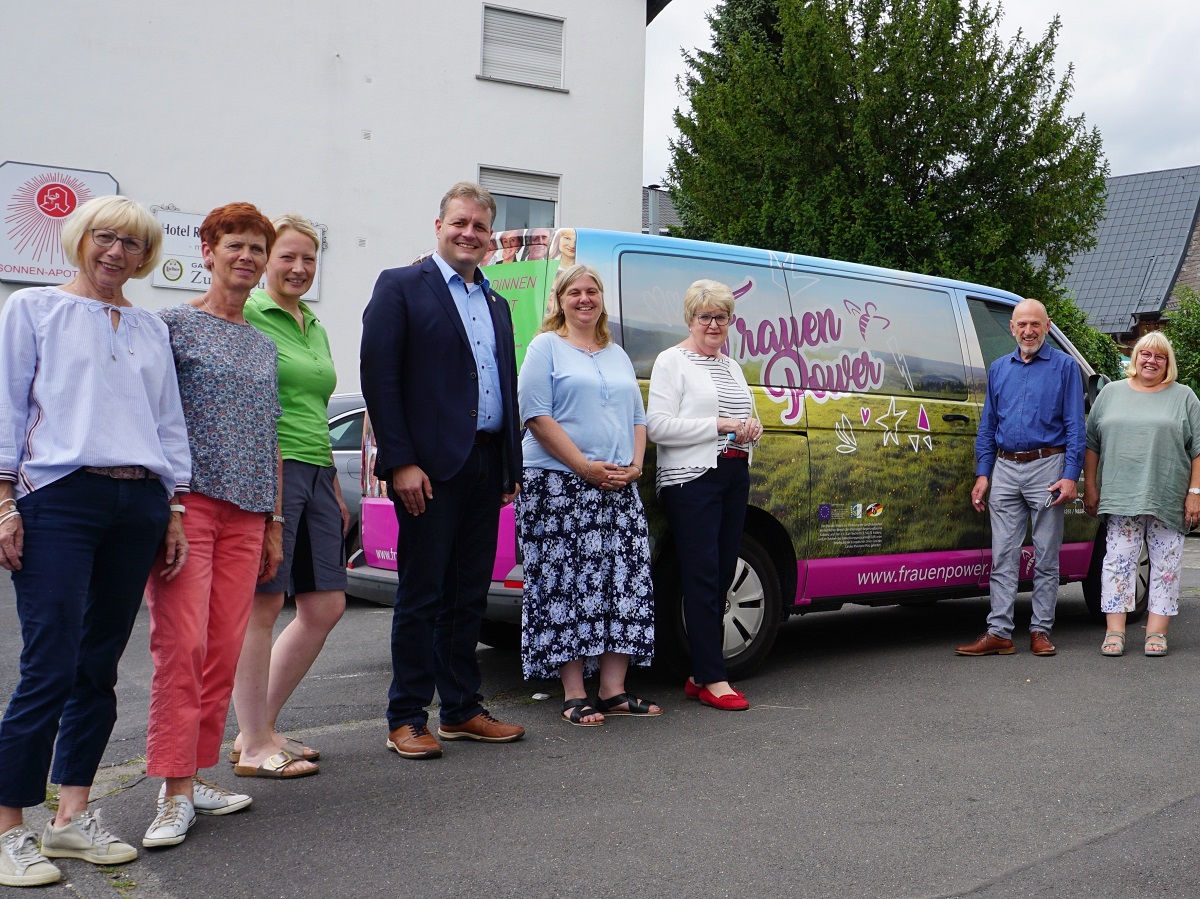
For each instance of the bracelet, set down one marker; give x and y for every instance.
(276, 519)
(638, 467)
(587, 475)
(4, 502)
(174, 507)
(7, 515)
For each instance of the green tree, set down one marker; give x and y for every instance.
(1183, 330)
(1097, 347)
(902, 133)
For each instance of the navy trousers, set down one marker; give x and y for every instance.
(89, 543)
(448, 552)
(706, 517)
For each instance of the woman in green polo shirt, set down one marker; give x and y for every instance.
(315, 518)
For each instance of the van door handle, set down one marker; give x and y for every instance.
(956, 416)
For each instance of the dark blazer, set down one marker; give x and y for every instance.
(419, 378)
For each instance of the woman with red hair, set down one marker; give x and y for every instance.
(226, 371)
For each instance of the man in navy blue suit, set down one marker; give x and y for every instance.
(439, 376)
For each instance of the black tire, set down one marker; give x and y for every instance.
(1091, 584)
(753, 612)
(500, 634)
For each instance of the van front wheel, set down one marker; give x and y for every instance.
(753, 611)
(1091, 584)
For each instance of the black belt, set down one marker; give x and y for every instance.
(486, 438)
(1031, 455)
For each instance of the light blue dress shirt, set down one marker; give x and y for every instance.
(471, 301)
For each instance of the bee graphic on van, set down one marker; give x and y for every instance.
(866, 315)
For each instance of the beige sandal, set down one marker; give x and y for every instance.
(1114, 644)
(1156, 644)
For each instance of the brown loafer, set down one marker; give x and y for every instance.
(414, 741)
(1040, 645)
(482, 727)
(988, 645)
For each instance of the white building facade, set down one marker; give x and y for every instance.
(357, 115)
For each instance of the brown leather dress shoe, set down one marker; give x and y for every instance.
(1039, 643)
(482, 727)
(414, 741)
(988, 645)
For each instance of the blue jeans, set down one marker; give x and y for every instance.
(447, 556)
(706, 517)
(1018, 497)
(89, 543)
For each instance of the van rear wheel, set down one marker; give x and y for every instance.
(753, 611)
(1091, 584)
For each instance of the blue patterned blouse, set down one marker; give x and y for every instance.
(227, 383)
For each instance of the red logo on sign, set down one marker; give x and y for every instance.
(56, 200)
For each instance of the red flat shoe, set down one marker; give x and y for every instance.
(730, 702)
(691, 689)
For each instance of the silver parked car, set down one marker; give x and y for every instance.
(346, 413)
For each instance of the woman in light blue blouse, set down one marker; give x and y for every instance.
(92, 449)
(588, 603)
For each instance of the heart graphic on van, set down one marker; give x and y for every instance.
(865, 413)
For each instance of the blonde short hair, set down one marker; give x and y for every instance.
(1155, 341)
(297, 223)
(115, 213)
(706, 294)
(556, 317)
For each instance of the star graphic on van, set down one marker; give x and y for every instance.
(890, 422)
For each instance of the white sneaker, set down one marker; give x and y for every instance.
(176, 815)
(21, 865)
(85, 838)
(209, 799)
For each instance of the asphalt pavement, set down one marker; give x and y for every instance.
(873, 763)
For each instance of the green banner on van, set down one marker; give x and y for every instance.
(525, 286)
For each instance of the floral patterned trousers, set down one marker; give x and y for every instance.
(1118, 582)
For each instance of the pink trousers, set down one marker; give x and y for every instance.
(197, 622)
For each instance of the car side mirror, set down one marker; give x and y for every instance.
(1095, 383)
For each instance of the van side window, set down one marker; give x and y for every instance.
(866, 336)
(991, 325)
(652, 289)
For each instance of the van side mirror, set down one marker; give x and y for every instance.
(1095, 383)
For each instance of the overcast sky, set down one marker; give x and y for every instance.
(1135, 74)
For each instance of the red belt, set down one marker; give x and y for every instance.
(734, 454)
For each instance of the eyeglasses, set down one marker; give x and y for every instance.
(1147, 356)
(104, 239)
(707, 318)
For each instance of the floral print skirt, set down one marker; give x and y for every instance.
(587, 573)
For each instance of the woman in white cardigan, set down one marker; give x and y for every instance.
(701, 416)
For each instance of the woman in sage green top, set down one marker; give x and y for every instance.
(315, 518)
(1142, 470)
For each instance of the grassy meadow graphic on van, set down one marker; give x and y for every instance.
(863, 390)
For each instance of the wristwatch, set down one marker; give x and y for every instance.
(1195, 490)
(278, 519)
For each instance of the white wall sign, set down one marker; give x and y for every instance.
(182, 265)
(35, 200)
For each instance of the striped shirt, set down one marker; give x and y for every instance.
(732, 402)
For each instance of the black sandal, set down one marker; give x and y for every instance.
(639, 708)
(575, 710)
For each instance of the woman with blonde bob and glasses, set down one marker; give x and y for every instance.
(93, 464)
(701, 416)
(588, 604)
(1142, 470)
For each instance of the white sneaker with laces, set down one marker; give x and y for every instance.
(210, 799)
(85, 838)
(176, 815)
(21, 865)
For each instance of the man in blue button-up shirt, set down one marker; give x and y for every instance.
(1030, 444)
(439, 375)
